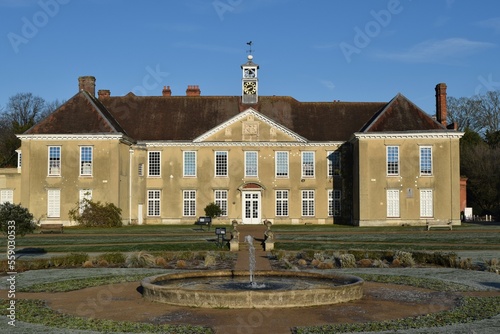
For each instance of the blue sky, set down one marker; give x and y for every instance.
(320, 50)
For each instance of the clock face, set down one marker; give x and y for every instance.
(250, 88)
(249, 73)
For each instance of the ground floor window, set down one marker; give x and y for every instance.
(221, 201)
(6, 195)
(85, 195)
(281, 202)
(334, 197)
(53, 203)
(154, 203)
(392, 203)
(189, 200)
(307, 203)
(426, 203)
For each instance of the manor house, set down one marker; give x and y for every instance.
(162, 159)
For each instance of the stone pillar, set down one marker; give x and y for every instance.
(234, 243)
(268, 237)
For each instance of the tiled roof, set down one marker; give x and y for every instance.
(401, 114)
(181, 118)
(83, 113)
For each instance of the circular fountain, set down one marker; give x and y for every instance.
(248, 289)
(269, 289)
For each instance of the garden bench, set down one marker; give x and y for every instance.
(51, 228)
(431, 224)
(204, 221)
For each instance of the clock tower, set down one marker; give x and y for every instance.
(249, 82)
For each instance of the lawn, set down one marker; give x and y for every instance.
(288, 237)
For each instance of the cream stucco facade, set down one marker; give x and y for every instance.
(163, 159)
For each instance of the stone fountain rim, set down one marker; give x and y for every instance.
(149, 281)
(351, 288)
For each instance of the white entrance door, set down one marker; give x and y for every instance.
(251, 207)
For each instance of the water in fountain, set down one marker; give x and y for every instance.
(251, 254)
(251, 269)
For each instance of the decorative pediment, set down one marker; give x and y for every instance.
(251, 126)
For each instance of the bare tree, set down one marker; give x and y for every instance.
(465, 112)
(490, 111)
(24, 110)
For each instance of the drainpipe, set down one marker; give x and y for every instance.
(131, 153)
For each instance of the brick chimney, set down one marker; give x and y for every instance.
(193, 90)
(103, 93)
(87, 84)
(166, 91)
(441, 109)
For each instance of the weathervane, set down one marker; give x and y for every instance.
(250, 47)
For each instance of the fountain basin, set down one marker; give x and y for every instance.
(202, 289)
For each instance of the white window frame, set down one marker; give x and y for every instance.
(84, 194)
(426, 203)
(221, 165)
(308, 163)
(53, 203)
(220, 198)
(282, 203)
(86, 166)
(308, 203)
(54, 162)
(154, 166)
(140, 169)
(393, 167)
(154, 203)
(425, 161)
(393, 203)
(189, 203)
(251, 164)
(282, 162)
(6, 195)
(189, 159)
(334, 203)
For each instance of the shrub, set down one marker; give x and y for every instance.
(443, 259)
(15, 219)
(180, 264)
(96, 214)
(160, 261)
(315, 262)
(325, 265)
(70, 260)
(492, 265)
(345, 261)
(302, 262)
(213, 210)
(140, 260)
(112, 258)
(210, 259)
(380, 264)
(88, 264)
(365, 263)
(465, 263)
(404, 259)
(103, 263)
